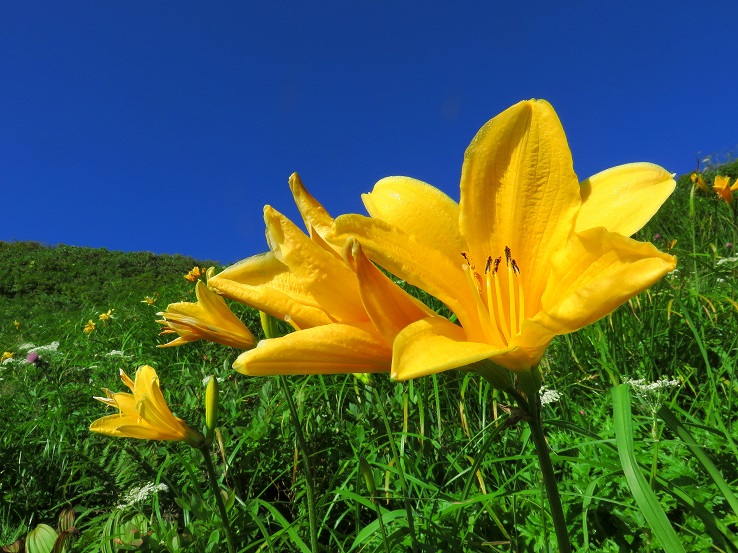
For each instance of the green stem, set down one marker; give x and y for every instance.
(307, 467)
(549, 479)
(218, 498)
(400, 470)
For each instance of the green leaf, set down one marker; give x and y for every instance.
(646, 500)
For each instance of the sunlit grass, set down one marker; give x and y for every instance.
(442, 448)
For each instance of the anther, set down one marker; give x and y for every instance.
(508, 255)
(515, 267)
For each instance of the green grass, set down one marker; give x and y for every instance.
(633, 469)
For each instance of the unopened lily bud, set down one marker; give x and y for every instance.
(211, 409)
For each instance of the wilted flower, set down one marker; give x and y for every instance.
(89, 327)
(143, 414)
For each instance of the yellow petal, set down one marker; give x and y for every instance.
(329, 349)
(316, 218)
(415, 262)
(397, 201)
(390, 308)
(519, 189)
(265, 283)
(594, 274)
(208, 319)
(433, 345)
(325, 277)
(624, 198)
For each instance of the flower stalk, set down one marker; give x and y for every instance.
(215, 487)
(535, 423)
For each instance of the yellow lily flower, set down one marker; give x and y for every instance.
(194, 274)
(106, 316)
(143, 414)
(528, 254)
(208, 319)
(89, 327)
(721, 186)
(697, 179)
(307, 282)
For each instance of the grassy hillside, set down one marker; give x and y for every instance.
(470, 481)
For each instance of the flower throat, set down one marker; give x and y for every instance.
(498, 295)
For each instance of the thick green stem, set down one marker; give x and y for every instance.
(218, 498)
(549, 479)
(307, 467)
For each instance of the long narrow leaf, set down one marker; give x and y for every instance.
(647, 501)
(680, 430)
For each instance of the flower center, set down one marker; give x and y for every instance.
(499, 296)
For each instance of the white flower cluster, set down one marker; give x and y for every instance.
(640, 386)
(53, 347)
(549, 396)
(116, 353)
(726, 260)
(136, 495)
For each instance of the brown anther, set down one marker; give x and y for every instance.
(508, 255)
(468, 259)
(498, 260)
(488, 265)
(515, 267)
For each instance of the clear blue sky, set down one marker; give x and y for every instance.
(166, 126)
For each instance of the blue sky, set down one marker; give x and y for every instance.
(166, 126)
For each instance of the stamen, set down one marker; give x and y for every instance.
(511, 293)
(481, 308)
(502, 318)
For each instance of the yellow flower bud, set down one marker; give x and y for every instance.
(211, 409)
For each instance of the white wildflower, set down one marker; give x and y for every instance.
(549, 396)
(726, 260)
(116, 353)
(218, 378)
(651, 394)
(137, 495)
(51, 348)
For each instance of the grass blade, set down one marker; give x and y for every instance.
(646, 500)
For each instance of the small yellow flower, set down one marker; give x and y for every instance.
(194, 274)
(106, 316)
(6, 355)
(149, 300)
(17, 324)
(89, 327)
(721, 186)
(208, 319)
(144, 414)
(699, 181)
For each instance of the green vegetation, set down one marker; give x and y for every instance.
(437, 462)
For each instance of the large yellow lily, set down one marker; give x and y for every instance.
(528, 254)
(144, 414)
(207, 319)
(306, 281)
